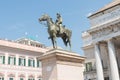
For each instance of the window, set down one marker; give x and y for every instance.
(11, 60)
(106, 78)
(2, 59)
(38, 63)
(22, 61)
(31, 62)
(89, 66)
(1, 78)
(21, 78)
(39, 79)
(11, 78)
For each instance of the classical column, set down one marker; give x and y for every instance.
(98, 63)
(113, 61)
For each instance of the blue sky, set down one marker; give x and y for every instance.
(20, 16)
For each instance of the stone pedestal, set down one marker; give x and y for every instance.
(62, 65)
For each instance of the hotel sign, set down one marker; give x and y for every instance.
(105, 18)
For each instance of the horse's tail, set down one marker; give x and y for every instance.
(68, 33)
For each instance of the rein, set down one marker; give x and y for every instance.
(43, 24)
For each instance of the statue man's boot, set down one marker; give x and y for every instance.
(61, 29)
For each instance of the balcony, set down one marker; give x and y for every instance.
(93, 70)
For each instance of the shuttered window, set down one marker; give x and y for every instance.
(31, 62)
(11, 60)
(89, 66)
(38, 63)
(1, 78)
(31, 79)
(11, 78)
(2, 59)
(21, 79)
(22, 61)
(39, 78)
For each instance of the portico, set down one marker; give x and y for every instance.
(104, 37)
(109, 36)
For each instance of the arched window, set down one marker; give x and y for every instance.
(1, 76)
(11, 77)
(31, 77)
(39, 77)
(21, 77)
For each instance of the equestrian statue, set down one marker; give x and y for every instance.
(56, 29)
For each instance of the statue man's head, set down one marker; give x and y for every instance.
(58, 15)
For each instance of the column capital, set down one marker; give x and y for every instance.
(95, 43)
(100, 42)
(110, 39)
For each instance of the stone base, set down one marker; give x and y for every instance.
(62, 65)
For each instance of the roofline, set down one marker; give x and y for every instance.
(21, 46)
(102, 10)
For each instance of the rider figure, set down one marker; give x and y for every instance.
(59, 23)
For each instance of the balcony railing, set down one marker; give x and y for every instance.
(94, 70)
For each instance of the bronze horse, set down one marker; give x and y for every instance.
(53, 31)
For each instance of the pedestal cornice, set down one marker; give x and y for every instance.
(63, 55)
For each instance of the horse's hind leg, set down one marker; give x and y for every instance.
(70, 45)
(64, 40)
(69, 41)
(53, 42)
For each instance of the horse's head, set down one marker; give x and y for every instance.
(44, 17)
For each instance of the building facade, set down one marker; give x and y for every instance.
(18, 59)
(101, 44)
